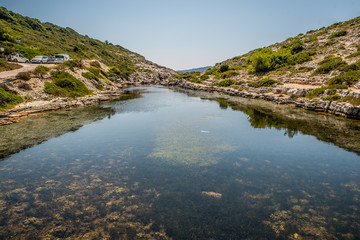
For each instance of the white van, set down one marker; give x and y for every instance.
(59, 58)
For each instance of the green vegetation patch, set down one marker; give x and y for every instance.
(338, 34)
(329, 64)
(226, 83)
(347, 78)
(8, 99)
(65, 85)
(72, 64)
(229, 74)
(334, 97)
(5, 66)
(89, 75)
(224, 68)
(266, 60)
(265, 82)
(94, 71)
(319, 91)
(316, 92)
(95, 64)
(41, 69)
(191, 77)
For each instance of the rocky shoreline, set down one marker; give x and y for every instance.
(343, 109)
(35, 107)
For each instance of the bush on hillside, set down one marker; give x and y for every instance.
(266, 60)
(89, 75)
(224, 68)
(329, 64)
(72, 64)
(226, 83)
(95, 64)
(316, 92)
(65, 85)
(338, 34)
(115, 70)
(229, 74)
(8, 99)
(94, 71)
(24, 76)
(41, 69)
(334, 97)
(347, 78)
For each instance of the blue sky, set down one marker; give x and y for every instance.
(186, 34)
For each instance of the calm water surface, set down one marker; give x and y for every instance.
(175, 165)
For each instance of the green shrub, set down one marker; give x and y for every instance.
(329, 64)
(94, 71)
(41, 69)
(347, 78)
(105, 74)
(266, 60)
(8, 100)
(72, 64)
(115, 70)
(316, 92)
(305, 69)
(224, 68)
(3, 63)
(55, 90)
(337, 86)
(229, 74)
(88, 75)
(226, 83)
(95, 64)
(338, 34)
(353, 55)
(204, 77)
(6, 34)
(352, 100)
(311, 39)
(65, 85)
(265, 82)
(191, 77)
(333, 97)
(295, 45)
(299, 58)
(24, 76)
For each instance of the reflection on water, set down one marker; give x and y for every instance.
(341, 132)
(171, 165)
(39, 128)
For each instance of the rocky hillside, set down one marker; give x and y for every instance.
(31, 37)
(319, 70)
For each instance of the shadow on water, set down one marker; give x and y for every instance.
(42, 127)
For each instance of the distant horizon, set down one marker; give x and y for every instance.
(184, 35)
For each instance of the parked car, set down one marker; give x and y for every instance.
(51, 59)
(16, 57)
(59, 58)
(39, 59)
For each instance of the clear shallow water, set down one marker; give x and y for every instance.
(174, 165)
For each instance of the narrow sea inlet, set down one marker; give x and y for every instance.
(171, 164)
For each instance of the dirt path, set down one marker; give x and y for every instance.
(26, 67)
